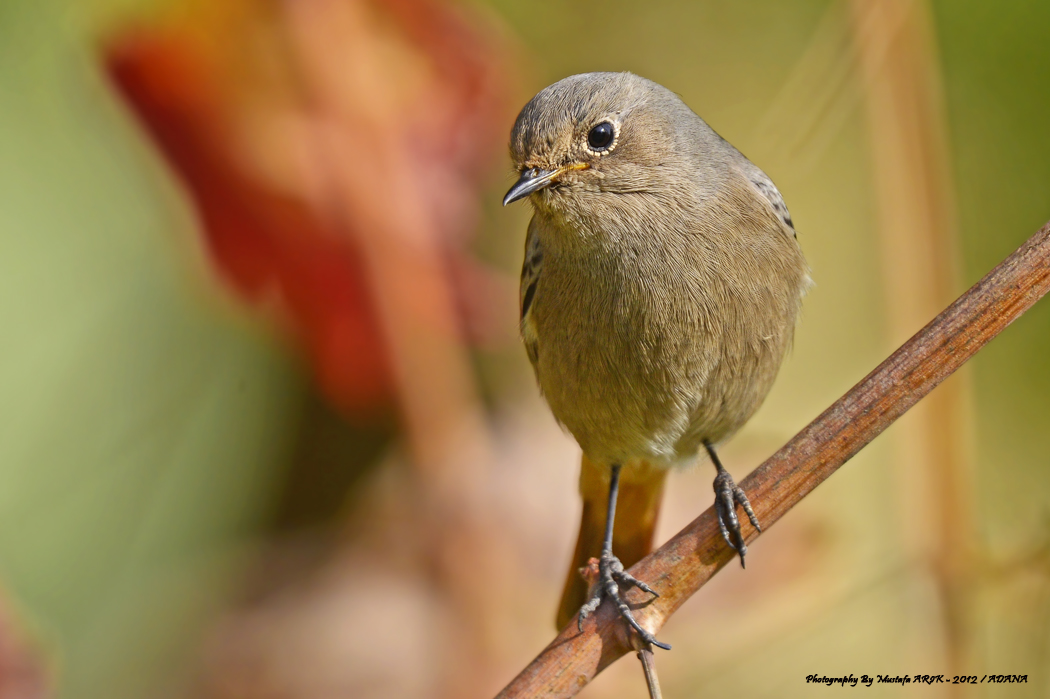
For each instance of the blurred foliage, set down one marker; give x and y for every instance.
(997, 75)
(144, 423)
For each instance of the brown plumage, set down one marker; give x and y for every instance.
(662, 277)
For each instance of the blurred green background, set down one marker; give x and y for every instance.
(149, 423)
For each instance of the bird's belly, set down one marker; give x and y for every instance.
(634, 381)
(617, 409)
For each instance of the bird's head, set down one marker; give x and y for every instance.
(598, 134)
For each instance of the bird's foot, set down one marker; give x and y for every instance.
(611, 576)
(727, 495)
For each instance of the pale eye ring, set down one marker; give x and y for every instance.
(601, 137)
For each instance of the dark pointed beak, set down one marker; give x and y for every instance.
(531, 180)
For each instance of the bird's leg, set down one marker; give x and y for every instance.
(727, 495)
(612, 575)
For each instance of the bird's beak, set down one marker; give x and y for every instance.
(531, 180)
(534, 179)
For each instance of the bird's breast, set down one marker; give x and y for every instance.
(645, 346)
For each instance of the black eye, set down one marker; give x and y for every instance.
(601, 136)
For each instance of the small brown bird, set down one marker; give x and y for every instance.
(661, 284)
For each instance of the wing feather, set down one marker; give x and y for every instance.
(530, 279)
(769, 190)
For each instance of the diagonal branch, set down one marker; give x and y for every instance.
(685, 563)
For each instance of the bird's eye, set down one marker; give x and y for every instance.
(601, 136)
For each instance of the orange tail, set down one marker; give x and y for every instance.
(638, 504)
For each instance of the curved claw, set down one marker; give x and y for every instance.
(625, 612)
(630, 581)
(643, 634)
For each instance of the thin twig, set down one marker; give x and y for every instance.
(652, 682)
(685, 563)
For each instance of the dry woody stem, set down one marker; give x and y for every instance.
(685, 563)
(652, 682)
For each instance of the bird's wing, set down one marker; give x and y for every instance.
(767, 189)
(530, 278)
